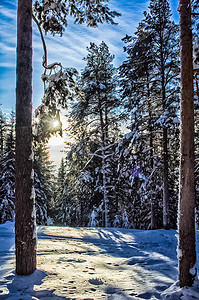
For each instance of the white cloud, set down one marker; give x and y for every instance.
(9, 13)
(68, 49)
(71, 47)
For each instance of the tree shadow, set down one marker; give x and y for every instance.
(141, 252)
(23, 287)
(7, 249)
(155, 252)
(158, 249)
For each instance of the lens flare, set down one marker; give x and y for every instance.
(55, 123)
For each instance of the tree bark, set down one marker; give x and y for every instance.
(166, 222)
(187, 255)
(104, 180)
(25, 218)
(153, 219)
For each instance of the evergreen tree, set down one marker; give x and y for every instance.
(101, 107)
(150, 81)
(95, 123)
(165, 45)
(78, 193)
(195, 15)
(43, 183)
(43, 178)
(2, 132)
(7, 172)
(53, 16)
(61, 206)
(140, 93)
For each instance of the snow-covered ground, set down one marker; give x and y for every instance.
(95, 263)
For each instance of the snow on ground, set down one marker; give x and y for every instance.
(95, 263)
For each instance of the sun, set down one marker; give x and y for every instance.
(55, 123)
(57, 143)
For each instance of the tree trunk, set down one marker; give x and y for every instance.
(153, 219)
(187, 255)
(25, 218)
(104, 179)
(166, 222)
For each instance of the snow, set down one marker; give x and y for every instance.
(95, 263)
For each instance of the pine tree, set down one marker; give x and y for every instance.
(2, 131)
(43, 183)
(78, 193)
(139, 89)
(101, 108)
(61, 204)
(53, 16)
(7, 180)
(95, 121)
(150, 78)
(165, 46)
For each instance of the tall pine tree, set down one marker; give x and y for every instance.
(150, 85)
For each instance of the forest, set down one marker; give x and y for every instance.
(131, 159)
(121, 167)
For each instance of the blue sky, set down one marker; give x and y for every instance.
(68, 49)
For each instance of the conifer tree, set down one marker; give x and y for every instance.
(7, 172)
(43, 182)
(152, 96)
(95, 124)
(140, 94)
(101, 108)
(165, 46)
(2, 131)
(53, 16)
(61, 201)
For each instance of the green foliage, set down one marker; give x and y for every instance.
(150, 87)
(46, 123)
(44, 182)
(7, 169)
(2, 131)
(43, 170)
(62, 86)
(95, 126)
(53, 15)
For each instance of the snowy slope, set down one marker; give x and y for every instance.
(95, 263)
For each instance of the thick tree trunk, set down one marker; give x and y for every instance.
(187, 255)
(25, 219)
